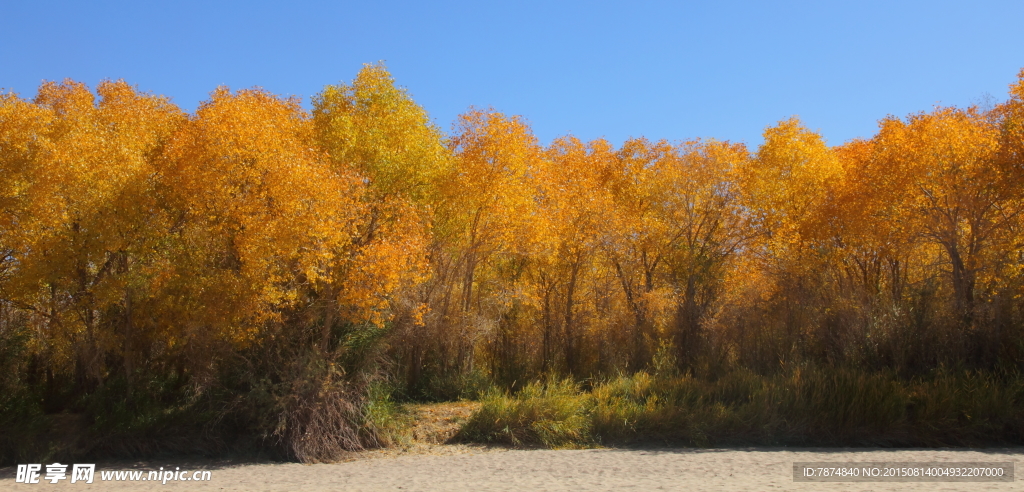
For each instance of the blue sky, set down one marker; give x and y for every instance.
(673, 70)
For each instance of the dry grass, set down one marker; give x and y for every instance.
(431, 431)
(437, 423)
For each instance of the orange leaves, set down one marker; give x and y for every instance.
(572, 188)
(1011, 152)
(247, 166)
(492, 197)
(789, 180)
(940, 168)
(380, 267)
(82, 217)
(275, 221)
(21, 123)
(124, 218)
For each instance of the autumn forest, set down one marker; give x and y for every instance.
(259, 276)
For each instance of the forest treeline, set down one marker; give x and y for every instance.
(255, 269)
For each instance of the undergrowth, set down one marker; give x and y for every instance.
(809, 407)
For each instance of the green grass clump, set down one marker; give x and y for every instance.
(555, 414)
(389, 423)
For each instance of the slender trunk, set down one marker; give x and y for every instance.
(963, 285)
(570, 336)
(467, 283)
(546, 363)
(129, 359)
(328, 324)
(688, 315)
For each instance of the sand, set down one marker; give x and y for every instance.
(462, 467)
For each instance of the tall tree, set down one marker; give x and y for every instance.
(958, 195)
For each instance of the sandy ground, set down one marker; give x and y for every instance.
(456, 468)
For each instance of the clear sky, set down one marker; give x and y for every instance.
(673, 70)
